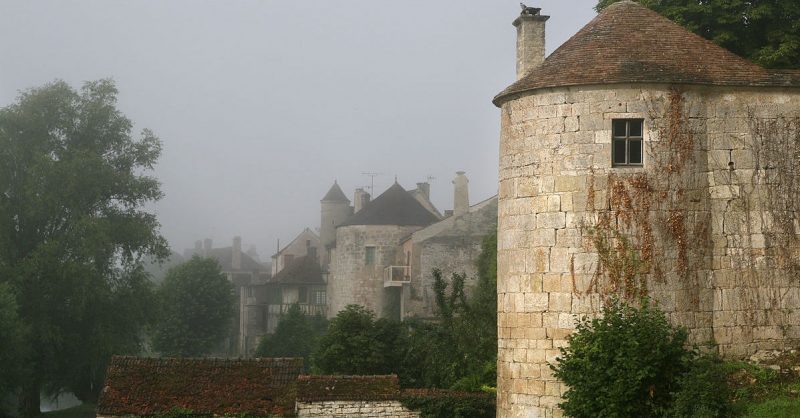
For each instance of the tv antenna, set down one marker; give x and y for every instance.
(371, 176)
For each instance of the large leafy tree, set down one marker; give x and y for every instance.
(766, 32)
(296, 335)
(197, 309)
(72, 232)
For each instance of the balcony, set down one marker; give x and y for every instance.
(396, 276)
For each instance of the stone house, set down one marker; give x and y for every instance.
(303, 244)
(301, 282)
(382, 255)
(641, 159)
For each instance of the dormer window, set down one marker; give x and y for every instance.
(626, 144)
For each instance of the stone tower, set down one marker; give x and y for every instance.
(640, 159)
(334, 209)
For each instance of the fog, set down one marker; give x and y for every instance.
(262, 104)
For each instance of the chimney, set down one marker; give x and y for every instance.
(425, 188)
(530, 40)
(236, 253)
(460, 194)
(360, 199)
(207, 247)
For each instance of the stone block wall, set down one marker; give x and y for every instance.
(351, 280)
(704, 231)
(356, 409)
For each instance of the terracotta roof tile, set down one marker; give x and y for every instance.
(347, 388)
(302, 270)
(147, 386)
(629, 43)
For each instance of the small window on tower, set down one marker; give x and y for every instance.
(626, 144)
(369, 256)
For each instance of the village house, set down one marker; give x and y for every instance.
(641, 159)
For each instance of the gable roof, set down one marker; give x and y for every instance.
(335, 194)
(347, 388)
(224, 257)
(307, 233)
(395, 206)
(147, 386)
(629, 43)
(302, 270)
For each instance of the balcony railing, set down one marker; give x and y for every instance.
(396, 276)
(307, 309)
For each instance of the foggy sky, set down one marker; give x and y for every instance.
(261, 104)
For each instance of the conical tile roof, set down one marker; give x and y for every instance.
(629, 43)
(335, 194)
(394, 207)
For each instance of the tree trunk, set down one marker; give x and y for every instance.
(30, 399)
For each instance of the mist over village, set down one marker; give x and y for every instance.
(256, 208)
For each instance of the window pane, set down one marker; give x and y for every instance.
(619, 127)
(635, 128)
(369, 258)
(619, 151)
(635, 150)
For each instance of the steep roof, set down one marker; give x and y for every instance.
(302, 270)
(629, 43)
(394, 207)
(147, 386)
(335, 194)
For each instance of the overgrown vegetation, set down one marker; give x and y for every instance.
(296, 335)
(449, 404)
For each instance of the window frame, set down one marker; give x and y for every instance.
(369, 255)
(628, 139)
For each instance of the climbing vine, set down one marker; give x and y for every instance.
(642, 225)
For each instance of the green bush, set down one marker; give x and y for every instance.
(437, 403)
(703, 392)
(626, 363)
(775, 408)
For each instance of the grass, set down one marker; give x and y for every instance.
(775, 408)
(86, 410)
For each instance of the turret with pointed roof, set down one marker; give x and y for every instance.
(334, 209)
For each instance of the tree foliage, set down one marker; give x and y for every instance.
(626, 363)
(72, 231)
(766, 32)
(358, 344)
(11, 335)
(197, 307)
(296, 335)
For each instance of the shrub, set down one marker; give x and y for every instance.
(703, 390)
(438, 403)
(626, 363)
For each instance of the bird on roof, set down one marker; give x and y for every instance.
(532, 11)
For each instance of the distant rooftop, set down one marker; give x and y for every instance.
(395, 206)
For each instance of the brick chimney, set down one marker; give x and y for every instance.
(530, 40)
(236, 253)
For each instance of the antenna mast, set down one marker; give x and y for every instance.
(371, 176)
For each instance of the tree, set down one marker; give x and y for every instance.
(296, 335)
(766, 32)
(72, 231)
(197, 307)
(11, 335)
(626, 363)
(358, 344)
